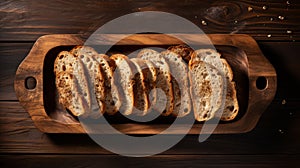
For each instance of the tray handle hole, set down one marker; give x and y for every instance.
(261, 83)
(30, 83)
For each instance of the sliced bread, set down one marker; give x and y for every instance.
(68, 93)
(231, 107)
(67, 62)
(204, 81)
(141, 90)
(150, 82)
(107, 91)
(212, 57)
(85, 54)
(124, 81)
(165, 99)
(180, 83)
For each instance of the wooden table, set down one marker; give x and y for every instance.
(275, 142)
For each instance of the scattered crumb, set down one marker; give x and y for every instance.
(250, 8)
(265, 7)
(287, 2)
(203, 23)
(269, 35)
(235, 22)
(196, 17)
(289, 31)
(271, 19)
(283, 101)
(281, 17)
(280, 131)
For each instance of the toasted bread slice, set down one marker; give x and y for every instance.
(180, 82)
(231, 107)
(68, 93)
(85, 54)
(214, 58)
(211, 57)
(108, 93)
(124, 81)
(150, 82)
(164, 81)
(141, 88)
(67, 62)
(204, 81)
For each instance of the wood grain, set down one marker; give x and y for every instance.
(11, 56)
(168, 161)
(273, 143)
(277, 133)
(26, 21)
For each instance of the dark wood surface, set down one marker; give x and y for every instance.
(273, 143)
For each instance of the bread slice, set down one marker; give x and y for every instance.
(99, 83)
(214, 58)
(182, 50)
(107, 91)
(205, 81)
(67, 62)
(165, 101)
(68, 93)
(141, 87)
(124, 81)
(85, 54)
(150, 82)
(231, 107)
(180, 83)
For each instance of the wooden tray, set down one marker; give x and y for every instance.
(255, 78)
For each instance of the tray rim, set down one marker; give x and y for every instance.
(256, 61)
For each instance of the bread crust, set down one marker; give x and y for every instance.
(182, 50)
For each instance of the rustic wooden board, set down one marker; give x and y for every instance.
(34, 100)
(26, 21)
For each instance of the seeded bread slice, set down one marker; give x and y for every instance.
(124, 81)
(204, 79)
(150, 82)
(211, 57)
(141, 88)
(163, 81)
(231, 104)
(68, 93)
(67, 62)
(85, 54)
(214, 58)
(107, 91)
(180, 82)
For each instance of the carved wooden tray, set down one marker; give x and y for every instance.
(255, 79)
